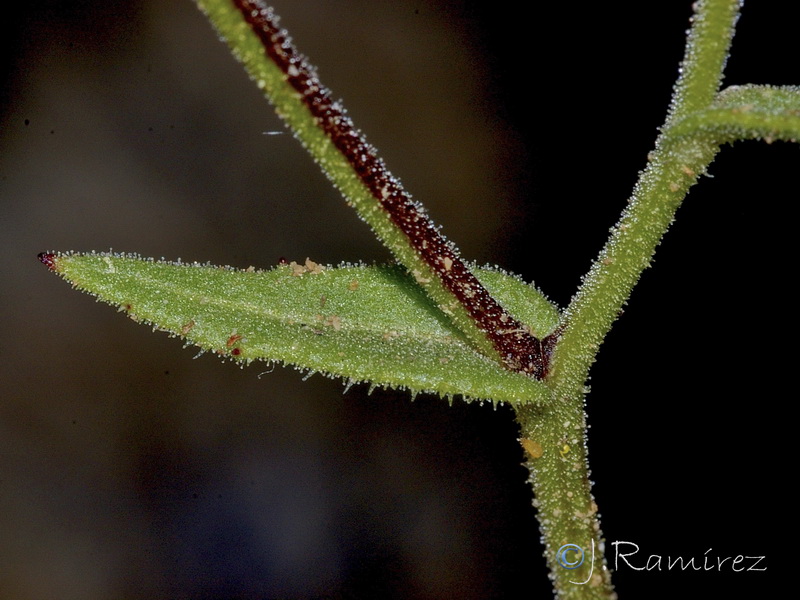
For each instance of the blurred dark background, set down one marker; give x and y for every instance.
(129, 469)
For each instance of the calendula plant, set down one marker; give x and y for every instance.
(435, 323)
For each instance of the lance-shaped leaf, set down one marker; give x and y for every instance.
(357, 322)
(328, 133)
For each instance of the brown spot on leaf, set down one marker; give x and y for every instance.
(187, 327)
(313, 268)
(296, 269)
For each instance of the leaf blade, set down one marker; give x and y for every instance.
(357, 322)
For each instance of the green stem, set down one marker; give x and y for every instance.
(555, 432)
(703, 63)
(554, 438)
(672, 170)
(567, 512)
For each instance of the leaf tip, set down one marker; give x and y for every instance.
(48, 259)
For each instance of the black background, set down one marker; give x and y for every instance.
(131, 470)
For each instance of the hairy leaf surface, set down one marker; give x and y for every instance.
(362, 323)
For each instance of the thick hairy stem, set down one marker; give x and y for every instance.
(553, 436)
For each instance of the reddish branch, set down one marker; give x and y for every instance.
(519, 350)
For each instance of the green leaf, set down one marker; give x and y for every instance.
(358, 322)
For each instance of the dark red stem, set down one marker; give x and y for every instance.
(518, 348)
